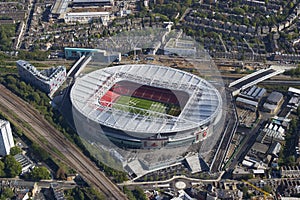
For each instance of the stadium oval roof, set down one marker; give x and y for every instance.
(202, 107)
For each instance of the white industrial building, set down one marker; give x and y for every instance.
(25, 162)
(86, 17)
(254, 93)
(48, 80)
(274, 131)
(6, 138)
(249, 98)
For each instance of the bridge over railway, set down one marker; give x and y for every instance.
(254, 78)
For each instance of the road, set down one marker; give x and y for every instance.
(229, 131)
(245, 146)
(184, 14)
(21, 112)
(41, 183)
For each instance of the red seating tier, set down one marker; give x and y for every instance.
(128, 88)
(109, 98)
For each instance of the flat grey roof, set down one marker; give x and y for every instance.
(247, 101)
(275, 97)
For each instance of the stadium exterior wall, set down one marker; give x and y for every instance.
(92, 131)
(97, 122)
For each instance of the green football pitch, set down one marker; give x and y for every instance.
(142, 106)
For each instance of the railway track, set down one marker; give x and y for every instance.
(73, 157)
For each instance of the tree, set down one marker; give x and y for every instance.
(2, 166)
(267, 188)
(40, 153)
(245, 192)
(11, 80)
(128, 193)
(39, 173)
(17, 130)
(245, 189)
(61, 174)
(139, 193)
(15, 150)
(7, 193)
(95, 193)
(80, 195)
(238, 11)
(12, 167)
(291, 160)
(35, 97)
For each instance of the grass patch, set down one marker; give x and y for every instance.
(142, 106)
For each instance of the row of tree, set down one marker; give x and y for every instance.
(136, 194)
(83, 193)
(41, 101)
(287, 154)
(9, 167)
(7, 31)
(293, 72)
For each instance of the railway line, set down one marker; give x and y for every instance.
(73, 157)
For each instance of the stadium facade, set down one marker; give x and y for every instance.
(48, 80)
(146, 107)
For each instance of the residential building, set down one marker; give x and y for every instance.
(48, 80)
(22, 189)
(6, 138)
(86, 17)
(57, 191)
(290, 171)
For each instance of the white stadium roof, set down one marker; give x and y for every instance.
(203, 105)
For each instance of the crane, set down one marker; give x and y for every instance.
(266, 194)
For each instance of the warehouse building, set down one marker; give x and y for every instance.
(249, 98)
(246, 104)
(254, 93)
(273, 102)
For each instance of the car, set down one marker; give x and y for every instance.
(149, 58)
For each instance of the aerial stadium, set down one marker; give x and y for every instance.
(145, 106)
